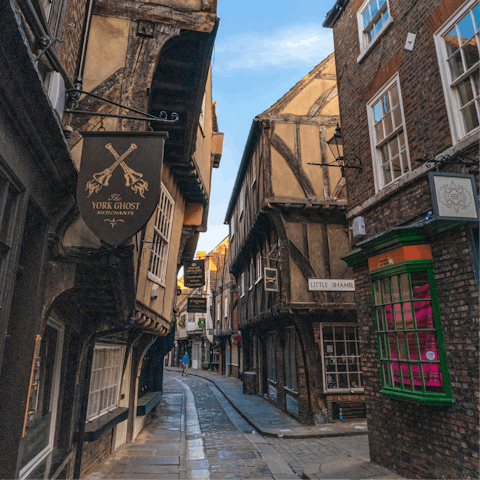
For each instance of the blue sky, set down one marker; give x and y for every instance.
(263, 48)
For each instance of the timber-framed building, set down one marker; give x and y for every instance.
(84, 325)
(287, 221)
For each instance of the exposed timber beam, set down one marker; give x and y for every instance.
(132, 10)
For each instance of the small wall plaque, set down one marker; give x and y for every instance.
(454, 196)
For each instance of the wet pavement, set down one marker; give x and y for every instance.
(269, 420)
(197, 434)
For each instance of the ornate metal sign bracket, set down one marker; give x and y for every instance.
(75, 94)
(455, 159)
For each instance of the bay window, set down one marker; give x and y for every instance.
(412, 358)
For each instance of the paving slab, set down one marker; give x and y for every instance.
(267, 419)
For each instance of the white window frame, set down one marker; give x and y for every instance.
(366, 43)
(157, 268)
(242, 285)
(242, 202)
(106, 376)
(345, 355)
(254, 173)
(225, 313)
(258, 261)
(219, 309)
(252, 274)
(452, 101)
(232, 227)
(376, 152)
(201, 120)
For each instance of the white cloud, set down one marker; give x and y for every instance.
(283, 48)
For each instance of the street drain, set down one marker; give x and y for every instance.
(238, 455)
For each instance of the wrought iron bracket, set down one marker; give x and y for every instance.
(75, 94)
(348, 161)
(456, 159)
(49, 45)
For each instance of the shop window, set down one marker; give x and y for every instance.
(38, 437)
(407, 321)
(388, 136)
(161, 238)
(290, 360)
(105, 380)
(341, 357)
(271, 361)
(457, 44)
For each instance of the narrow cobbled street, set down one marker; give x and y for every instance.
(196, 434)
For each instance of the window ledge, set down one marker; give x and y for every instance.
(258, 280)
(290, 390)
(146, 403)
(95, 429)
(434, 400)
(374, 41)
(409, 177)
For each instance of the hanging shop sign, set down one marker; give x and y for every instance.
(119, 182)
(271, 279)
(197, 305)
(454, 196)
(194, 274)
(331, 285)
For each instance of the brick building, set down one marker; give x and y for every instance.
(287, 229)
(408, 85)
(85, 324)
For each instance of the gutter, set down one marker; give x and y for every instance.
(334, 13)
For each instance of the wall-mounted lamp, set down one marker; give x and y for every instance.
(342, 161)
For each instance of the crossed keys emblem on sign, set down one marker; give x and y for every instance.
(132, 179)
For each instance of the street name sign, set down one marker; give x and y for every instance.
(331, 285)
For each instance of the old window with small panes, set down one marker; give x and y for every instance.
(341, 357)
(458, 51)
(161, 238)
(388, 136)
(410, 343)
(373, 16)
(105, 380)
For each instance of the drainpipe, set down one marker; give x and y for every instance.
(80, 436)
(78, 84)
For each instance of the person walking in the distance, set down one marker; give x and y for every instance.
(185, 362)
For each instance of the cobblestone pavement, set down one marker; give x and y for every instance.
(196, 434)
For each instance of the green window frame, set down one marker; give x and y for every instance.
(409, 333)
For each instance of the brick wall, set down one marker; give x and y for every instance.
(418, 441)
(426, 120)
(72, 30)
(94, 452)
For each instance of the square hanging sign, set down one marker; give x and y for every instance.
(194, 273)
(454, 196)
(119, 182)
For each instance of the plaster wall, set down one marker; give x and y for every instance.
(107, 49)
(163, 304)
(284, 182)
(203, 148)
